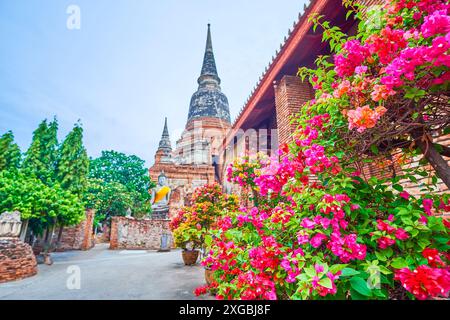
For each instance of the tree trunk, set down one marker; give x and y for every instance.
(438, 163)
(60, 232)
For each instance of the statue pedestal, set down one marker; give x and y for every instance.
(160, 213)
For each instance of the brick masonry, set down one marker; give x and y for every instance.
(133, 234)
(290, 95)
(79, 237)
(17, 260)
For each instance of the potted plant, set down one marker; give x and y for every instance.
(188, 238)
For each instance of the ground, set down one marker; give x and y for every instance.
(108, 274)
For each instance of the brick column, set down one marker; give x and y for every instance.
(290, 95)
(114, 237)
(88, 239)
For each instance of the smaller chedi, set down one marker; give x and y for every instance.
(160, 198)
(17, 260)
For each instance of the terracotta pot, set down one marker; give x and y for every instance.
(209, 276)
(190, 257)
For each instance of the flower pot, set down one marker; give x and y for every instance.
(190, 257)
(209, 276)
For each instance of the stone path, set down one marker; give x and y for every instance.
(107, 274)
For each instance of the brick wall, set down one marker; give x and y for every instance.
(290, 94)
(130, 233)
(17, 260)
(79, 237)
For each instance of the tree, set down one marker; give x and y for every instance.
(40, 158)
(108, 199)
(37, 202)
(72, 166)
(129, 171)
(10, 156)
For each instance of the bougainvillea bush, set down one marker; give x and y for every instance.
(191, 224)
(320, 229)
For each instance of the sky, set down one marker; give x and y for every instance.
(130, 64)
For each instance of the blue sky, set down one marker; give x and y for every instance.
(132, 63)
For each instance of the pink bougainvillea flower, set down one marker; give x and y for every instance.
(308, 223)
(404, 195)
(436, 23)
(385, 242)
(427, 206)
(423, 219)
(401, 234)
(316, 241)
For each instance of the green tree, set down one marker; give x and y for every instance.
(72, 166)
(108, 199)
(40, 158)
(42, 205)
(10, 156)
(129, 171)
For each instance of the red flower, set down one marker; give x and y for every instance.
(425, 282)
(433, 256)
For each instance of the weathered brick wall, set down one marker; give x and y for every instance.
(290, 95)
(79, 237)
(130, 233)
(17, 260)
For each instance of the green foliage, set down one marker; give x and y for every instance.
(72, 165)
(108, 199)
(42, 204)
(10, 156)
(119, 182)
(40, 158)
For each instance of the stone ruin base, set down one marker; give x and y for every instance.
(17, 260)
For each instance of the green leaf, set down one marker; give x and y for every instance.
(380, 256)
(359, 285)
(337, 267)
(374, 149)
(208, 240)
(348, 272)
(326, 282)
(399, 263)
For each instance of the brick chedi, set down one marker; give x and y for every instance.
(17, 260)
(193, 163)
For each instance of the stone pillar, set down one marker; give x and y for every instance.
(17, 260)
(290, 95)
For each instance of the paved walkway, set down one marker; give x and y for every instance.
(107, 274)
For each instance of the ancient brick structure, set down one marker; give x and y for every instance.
(17, 260)
(194, 162)
(79, 237)
(290, 94)
(133, 234)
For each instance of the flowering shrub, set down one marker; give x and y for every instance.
(319, 229)
(191, 224)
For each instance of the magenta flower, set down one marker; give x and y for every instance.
(404, 195)
(401, 234)
(316, 241)
(427, 206)
(308, 223)
(436, 23)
